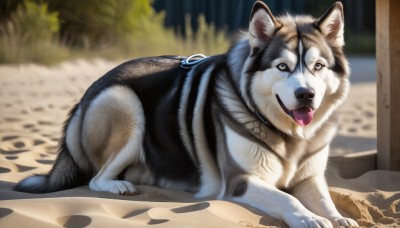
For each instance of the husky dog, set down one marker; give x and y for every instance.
(252, 125)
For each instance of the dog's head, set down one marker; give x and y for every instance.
(296, 73)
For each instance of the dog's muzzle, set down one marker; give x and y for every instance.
(303, 115)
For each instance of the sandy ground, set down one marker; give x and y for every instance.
(34, 101)
(357, 130)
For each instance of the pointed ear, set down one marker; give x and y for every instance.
(331, 25)
(262, 25)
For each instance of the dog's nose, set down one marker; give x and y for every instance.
(305, 94)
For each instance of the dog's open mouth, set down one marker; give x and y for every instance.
(302, 116)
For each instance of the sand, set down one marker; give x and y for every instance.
(34, 101)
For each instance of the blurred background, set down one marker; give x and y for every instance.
(50, 31)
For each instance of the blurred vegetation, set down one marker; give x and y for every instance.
(49, 31)
(31, 35)
(54, 30)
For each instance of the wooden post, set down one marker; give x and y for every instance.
(388, 83)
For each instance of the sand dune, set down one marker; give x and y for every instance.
(34, 101)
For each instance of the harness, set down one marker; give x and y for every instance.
(192, 60)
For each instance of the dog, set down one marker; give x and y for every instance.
(251, 126)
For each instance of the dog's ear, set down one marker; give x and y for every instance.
(331, 25)
(262, 25)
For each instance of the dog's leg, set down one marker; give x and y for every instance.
(258, 193)
(313, 193)
(105, 178)
(112, 134)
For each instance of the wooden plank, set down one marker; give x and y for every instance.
(388, 83)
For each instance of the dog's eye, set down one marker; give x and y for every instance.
(283, 67)
(318, 66)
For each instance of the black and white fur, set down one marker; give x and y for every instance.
(252, 125)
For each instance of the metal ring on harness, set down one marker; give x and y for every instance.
(193, 60)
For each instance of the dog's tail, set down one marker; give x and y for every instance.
(65, 173)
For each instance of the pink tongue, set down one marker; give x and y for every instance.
(303, 116)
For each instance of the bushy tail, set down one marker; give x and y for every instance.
(65, 174)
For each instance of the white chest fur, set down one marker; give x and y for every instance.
(254, 159)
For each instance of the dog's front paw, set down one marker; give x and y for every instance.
(295, 221)
(342, 221)
(113, 186)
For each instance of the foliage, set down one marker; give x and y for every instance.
(31, 31)
(48, 31)
(98, 23)
(106, 28)
(130, 28)
(36, 21)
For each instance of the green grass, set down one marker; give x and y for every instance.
(31, 36)
(157, 40)
(16, 47)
